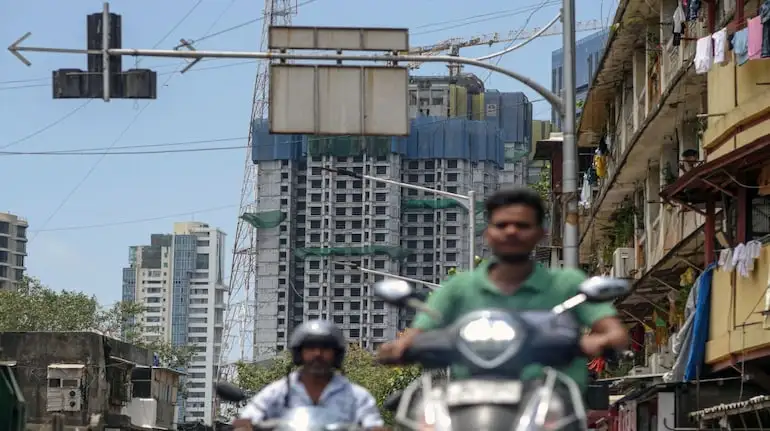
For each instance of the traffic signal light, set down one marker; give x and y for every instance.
(89, 84)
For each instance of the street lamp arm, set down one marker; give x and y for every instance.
(387, 274)
(552, 98)
(463, 199)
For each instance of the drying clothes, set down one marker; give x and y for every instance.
(725, 262)
(703, 55)
(764, 14)
(600, 164)
(741, 46)
(719, 39)
(693, 7)
(753, 250)
(741, 260)
(755, 38)
(679, 19)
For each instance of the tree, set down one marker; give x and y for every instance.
(35, 307)
(360, 367)
(543, 185)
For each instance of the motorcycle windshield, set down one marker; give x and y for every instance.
(311, 419)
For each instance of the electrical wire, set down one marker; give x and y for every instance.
(538, 8)
(245, 23)
(48, 126)
(114, 143)
(496, 16)
(135, 221)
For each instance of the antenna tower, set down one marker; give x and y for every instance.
(240, 306)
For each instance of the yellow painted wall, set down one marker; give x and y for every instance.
(734, 91)
(736, 322)
(477, 107)
(458, 101)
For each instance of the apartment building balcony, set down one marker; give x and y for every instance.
(642, 102)
(732, 182)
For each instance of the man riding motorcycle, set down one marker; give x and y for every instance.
(511, 280)
(319, 348)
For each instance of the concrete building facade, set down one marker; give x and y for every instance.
(13, 249)
(315, 226)
(180, 278)
(588, 53)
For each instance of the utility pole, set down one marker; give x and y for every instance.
(381, 119)
(571, 249)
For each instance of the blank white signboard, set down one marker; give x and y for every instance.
(338, 100)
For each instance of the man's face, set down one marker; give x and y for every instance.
(317, 360)
(513, 232)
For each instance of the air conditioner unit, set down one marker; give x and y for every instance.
(622, 262)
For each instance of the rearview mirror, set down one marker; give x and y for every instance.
(602, 289)
(393, 291)
(229, 392)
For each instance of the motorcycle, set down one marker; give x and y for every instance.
(313, 418)
(495, 345)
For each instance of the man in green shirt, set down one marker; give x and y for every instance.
(513, 281)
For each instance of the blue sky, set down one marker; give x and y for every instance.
(57, 194)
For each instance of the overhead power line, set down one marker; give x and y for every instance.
(93, 167)
(135, 221)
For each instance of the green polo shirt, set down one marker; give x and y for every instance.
(544, 289)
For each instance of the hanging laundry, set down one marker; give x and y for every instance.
(740, 43)
(592, 178)
(585, 192)
(764, 14)
(600, 164)
(740, 260)
(755, 38)
(725, 262)
(693, 7)
(679, 19)
(753, 251)
(720, 46)
(703, 55)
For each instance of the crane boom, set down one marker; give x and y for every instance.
(455, 43)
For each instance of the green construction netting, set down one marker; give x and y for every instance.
(513, 156)
(349, 146)
(395, 253)
(264, 219)
(437, 204)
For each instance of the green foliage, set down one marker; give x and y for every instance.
(543, 185)
(621, 231)
(35, 307)
(360, 367)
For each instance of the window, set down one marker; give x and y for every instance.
(381, 170)
(315, 224)
(379, 305)
(379, 237)
(378, 318)
(356, 237)
(380, 210)
(379, 333)
(340, 211)
(452, 164)
(339, 306)
(339, 292)
(451, 230)
(313, 291)
(315, 184)
(451, 177)
(341, 197)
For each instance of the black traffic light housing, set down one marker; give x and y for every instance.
(79, 84)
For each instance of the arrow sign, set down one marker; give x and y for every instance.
(16, 50)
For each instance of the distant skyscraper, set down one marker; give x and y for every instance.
(13, 250)
(313, 223)
(589, 52)
(179, 277)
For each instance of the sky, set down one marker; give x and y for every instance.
(84, 211)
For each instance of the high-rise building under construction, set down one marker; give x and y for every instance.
(314, 226)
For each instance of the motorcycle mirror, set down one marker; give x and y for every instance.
(229, 392)
(602, 289)
(393, 291)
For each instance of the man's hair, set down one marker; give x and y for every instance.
(517, 196)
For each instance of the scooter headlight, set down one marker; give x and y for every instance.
(489, 341)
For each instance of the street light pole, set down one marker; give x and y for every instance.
(468, 202)
(433, 286)
(570, 250)
(565, 107)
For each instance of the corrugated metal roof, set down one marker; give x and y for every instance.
(727, 408)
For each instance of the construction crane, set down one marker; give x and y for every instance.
(454, 44)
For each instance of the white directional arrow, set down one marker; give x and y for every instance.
(16, 50)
